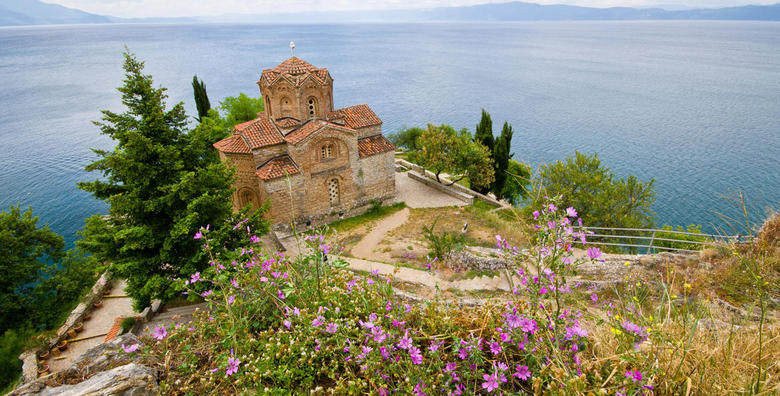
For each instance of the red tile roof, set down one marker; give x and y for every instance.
(309, 128)
(234, 144)
(296, 69)
(277, 167)
(355, 117)
(374, 145)
(287, 122)
(259, 132)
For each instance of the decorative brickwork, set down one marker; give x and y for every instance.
(304, 157)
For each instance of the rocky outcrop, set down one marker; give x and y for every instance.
(475, 258)
(128, 380)
(102, 370)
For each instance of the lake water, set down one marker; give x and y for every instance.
(695, 105)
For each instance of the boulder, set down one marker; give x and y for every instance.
(128, 380)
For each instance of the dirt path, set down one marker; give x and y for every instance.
(366, 248)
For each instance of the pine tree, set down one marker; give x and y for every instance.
(484, 135)
(501, 155)
(201, 98)
(163, 183)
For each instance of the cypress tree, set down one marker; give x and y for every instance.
(484, 135)
(501, 156)
(201, 98)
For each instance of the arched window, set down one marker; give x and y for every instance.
(333, 191)
(326, 151)
(286, 107)
(247, 197)
(312, 107)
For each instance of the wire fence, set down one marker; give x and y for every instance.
(655, 240)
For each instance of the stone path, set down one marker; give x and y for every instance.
(117, 304)
(418, 195)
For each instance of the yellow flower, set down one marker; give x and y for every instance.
(617, 316)
(639, 284)
(651, 318)
(627, 263)
(616, 331)
(687, 285)
(636, 299)
(674, 296)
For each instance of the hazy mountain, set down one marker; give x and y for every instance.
(34, 12)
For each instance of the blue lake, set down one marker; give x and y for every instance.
(693, 104)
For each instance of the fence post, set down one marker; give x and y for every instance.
(650, 247)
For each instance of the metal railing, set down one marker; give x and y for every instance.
(649, 234)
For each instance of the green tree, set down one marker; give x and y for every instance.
(407, 138)
(501, 155)
(518, 181)
(601, 199)
(443, 149)
(201, 98)
(484, 135)
(26, 250)
(163, 182)
(241, 108)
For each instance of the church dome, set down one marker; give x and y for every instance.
(295, 69)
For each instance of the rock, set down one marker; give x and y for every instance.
(102, 356)
(464, 261)
(29, 366)
(128, 380)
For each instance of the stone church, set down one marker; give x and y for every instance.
(306, 158)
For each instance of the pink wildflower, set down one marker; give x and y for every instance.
(571, 212)
(130, 348)
(522, 372)
(415, 355)
(594, 252)
(232, 367)
(331, 328)
(491, 382)
(495, 348)
(160, 332)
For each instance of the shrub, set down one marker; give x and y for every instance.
(692, 228)
(127, 324)
(442, 243)
(278, 325)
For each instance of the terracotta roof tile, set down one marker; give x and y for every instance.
(295, 69)
(234, 144)
(355, 117)
(277, 167)
(259, 132)
(374, 145)
(309, 128)
(287, 122)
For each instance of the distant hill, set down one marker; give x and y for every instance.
(519, 11)
(34, 12)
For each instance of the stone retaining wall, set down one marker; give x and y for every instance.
(457, 187)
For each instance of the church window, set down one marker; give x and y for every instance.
(327, 151)
(312, 107)
(333, 191)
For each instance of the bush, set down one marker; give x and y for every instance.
(407, 138)
(278, 325)
(692, 228)
(442, 243)
(127, 324)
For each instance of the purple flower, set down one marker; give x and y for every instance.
(536, 214)
(575, 330)
(160, 332)
(594, 252)
(206, 293)
(232, 367)
(231, 299)
(287, 324)
(495, 348)
(415, 355)
(571, 212)
(551, 208)
(634, 375)
(522, 372)
(528, 325)
(406, 341)
(254, 239)
(198, 235)
(331, 328)
(318, 321)
(491, 382)
(130, 348)
(195, 277)
(450, 367)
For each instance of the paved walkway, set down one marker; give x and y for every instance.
(117, 304)
(418, 195)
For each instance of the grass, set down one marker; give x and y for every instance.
(371, 215)
(475, 273)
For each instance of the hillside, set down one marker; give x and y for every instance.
(34, 12)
